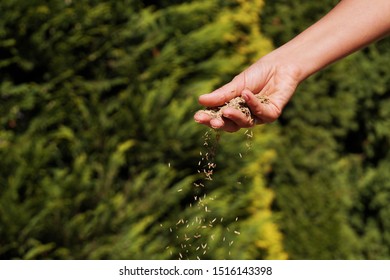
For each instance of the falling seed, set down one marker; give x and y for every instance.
(169, 164)
(213, 220)
(197, 248)
(179, 190)
(237, 232)
(227, 228)
(181, 256)
(204, 252)
(170, 229)
(203, 246)
(198, 258)
(236, 219)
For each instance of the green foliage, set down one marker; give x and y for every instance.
(100, 155)
(98, 147)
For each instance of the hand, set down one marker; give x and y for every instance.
(275, 82)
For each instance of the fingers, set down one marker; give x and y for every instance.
(216, 123)
(263, 107)
(237, 117)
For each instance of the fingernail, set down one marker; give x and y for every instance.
(245, 96)
(216, 123)
(226, 115)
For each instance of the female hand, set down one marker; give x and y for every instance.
(275, 82)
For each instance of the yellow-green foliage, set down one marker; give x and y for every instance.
(260, 226)
(99, 151)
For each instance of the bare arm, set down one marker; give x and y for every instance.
(351, 25)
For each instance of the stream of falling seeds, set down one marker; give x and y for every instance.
(197, 230)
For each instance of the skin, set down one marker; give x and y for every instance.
(348, 27)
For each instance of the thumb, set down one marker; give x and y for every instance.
(225, 93)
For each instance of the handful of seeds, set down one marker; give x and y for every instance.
(236, 103)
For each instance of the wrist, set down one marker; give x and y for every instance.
(287, 63)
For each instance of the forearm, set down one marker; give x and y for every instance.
(351, 25)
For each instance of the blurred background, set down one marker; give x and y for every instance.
(100, 157)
